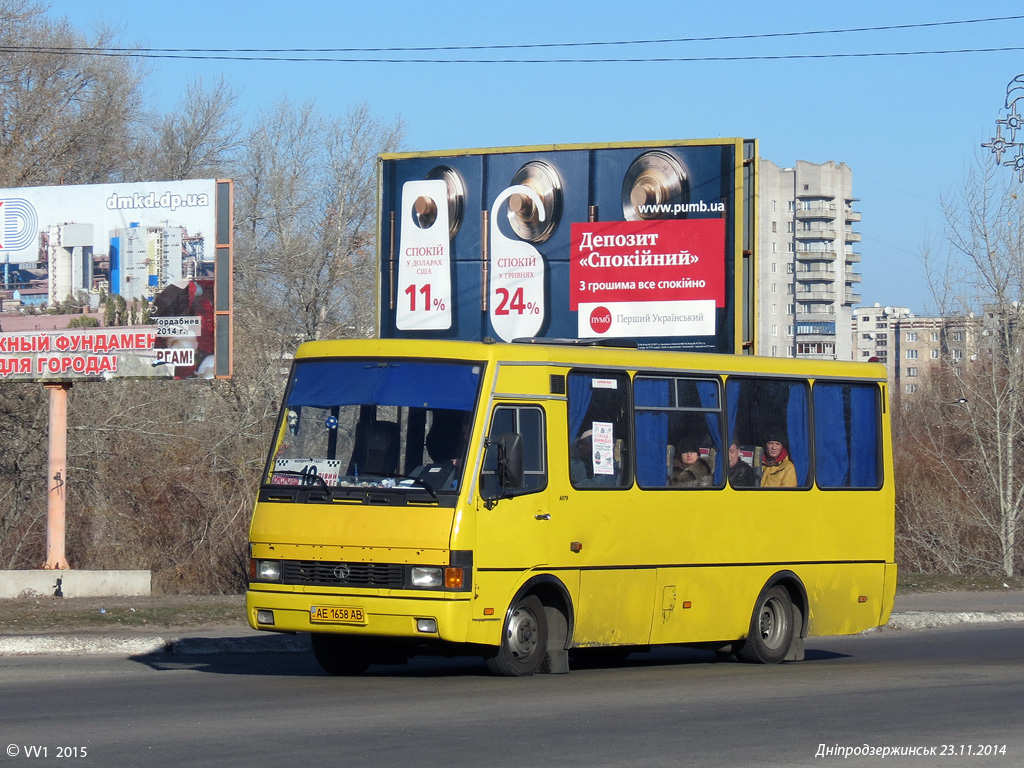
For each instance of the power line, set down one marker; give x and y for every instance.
(270, 54)
(644, 60)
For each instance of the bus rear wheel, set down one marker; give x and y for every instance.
(771, 629)
(341, 655)
(524, 640)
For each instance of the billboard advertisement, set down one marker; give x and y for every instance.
(116, 281)
(627, 241)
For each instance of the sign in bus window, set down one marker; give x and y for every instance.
(846, 435)
(678, 432)
(770, 418)
(599, 441)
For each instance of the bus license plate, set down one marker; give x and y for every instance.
(337, 615)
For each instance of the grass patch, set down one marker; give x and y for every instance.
(944, 582)
(53, 614)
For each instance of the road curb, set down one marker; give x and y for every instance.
(932, 619)
(134, 645)
(129, 645)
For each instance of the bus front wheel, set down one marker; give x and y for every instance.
(340, 655)
(524, 640)
(771, 629)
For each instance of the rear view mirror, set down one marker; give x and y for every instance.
(503, 468)
(510, 460)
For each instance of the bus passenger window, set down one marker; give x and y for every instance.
(678, 432)
(846, 432)
(599, 434)
(772, 416)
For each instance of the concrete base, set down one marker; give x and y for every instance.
(74, 583)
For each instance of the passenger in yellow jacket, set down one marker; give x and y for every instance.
(777, 470)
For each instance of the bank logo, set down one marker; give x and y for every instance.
(19, 224)
(600, 320)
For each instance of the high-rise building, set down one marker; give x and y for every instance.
(806, 260)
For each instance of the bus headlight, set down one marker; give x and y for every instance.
(427, 576)
(268, 570)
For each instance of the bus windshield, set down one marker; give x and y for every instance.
(397, 423)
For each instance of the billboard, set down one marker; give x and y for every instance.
(636, 241)
(116, 281)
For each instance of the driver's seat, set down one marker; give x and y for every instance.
(382, 445)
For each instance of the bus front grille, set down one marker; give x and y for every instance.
(323, 573)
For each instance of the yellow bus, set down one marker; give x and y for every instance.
(529, 501)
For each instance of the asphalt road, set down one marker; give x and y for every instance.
(954, 691)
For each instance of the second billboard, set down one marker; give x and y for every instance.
(628, 241)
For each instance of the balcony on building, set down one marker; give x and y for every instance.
(816, 212)
(817, 294)
(852, 215)
(815, 234)
(851, 277)
(803, 316)
(805, 256)
(808, 282)
(852, 237)
(852, 257)
(815, 330)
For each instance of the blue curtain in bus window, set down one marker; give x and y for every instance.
(732, 402)
(831, 457)
(707, 391)
(579, 402)
(797, 427)
(864, 437)
(327, 383)
(651, 431)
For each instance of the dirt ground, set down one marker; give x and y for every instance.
(106, 614)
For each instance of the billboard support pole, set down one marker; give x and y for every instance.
(56, 476)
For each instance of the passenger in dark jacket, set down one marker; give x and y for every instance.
(741, 474)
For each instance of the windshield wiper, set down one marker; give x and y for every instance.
(307, 477)
(416, 480)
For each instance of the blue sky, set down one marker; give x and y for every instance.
(908, 126)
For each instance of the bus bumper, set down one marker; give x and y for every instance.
(445, 619)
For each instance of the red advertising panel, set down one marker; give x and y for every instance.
(648, 278)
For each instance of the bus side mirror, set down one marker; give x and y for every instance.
(503, 467)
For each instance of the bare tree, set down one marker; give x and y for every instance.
(196, 140)
(306, 220)
(163, 476)
(974, 442)
(67, 112)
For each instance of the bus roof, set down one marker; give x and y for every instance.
(572, 353)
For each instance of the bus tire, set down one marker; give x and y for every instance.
(340, 655)
(524, 640)
(771, 629)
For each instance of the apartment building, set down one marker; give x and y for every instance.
(807, 276)
(912, 346)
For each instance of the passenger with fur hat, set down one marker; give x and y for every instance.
(689, 470)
